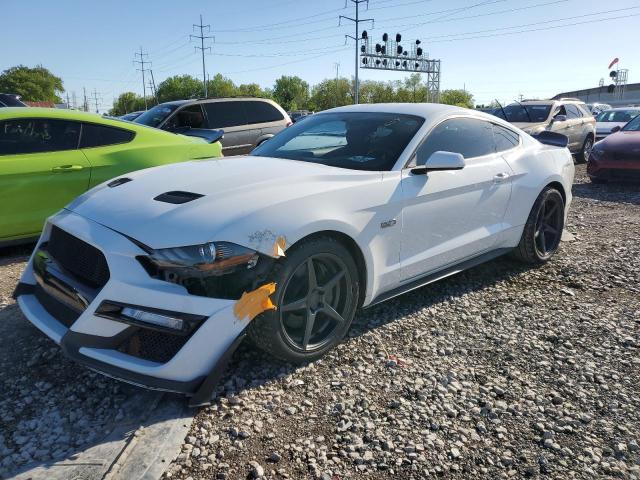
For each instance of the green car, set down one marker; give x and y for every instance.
(50, 156)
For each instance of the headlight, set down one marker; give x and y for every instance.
(216, 269)
(215, 258)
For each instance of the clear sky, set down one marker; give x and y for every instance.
(494, 48)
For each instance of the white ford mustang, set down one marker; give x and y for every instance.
(156, 277)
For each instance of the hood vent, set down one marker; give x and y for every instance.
(118, 181)
(177, 197)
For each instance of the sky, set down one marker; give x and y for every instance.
(496, 49)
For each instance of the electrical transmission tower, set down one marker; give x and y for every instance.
(95, 99)
(142, 69)
(85, 104)
(357, 21)
(202, 48)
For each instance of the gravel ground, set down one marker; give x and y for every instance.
(501, 371)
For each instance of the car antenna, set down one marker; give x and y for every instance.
(503, 112)
(525, 110)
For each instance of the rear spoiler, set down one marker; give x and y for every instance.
(211, 136)
(552, 138)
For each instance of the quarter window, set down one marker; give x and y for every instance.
(505, 138)
(37, 135)
(225, 114)
(467, 136)
(100, 135)
(262, 112)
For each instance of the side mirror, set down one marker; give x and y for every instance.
(439, 161)
(615, 129)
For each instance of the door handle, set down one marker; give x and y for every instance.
(500, 177)
(67, 168)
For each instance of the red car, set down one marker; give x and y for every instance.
(617, 157)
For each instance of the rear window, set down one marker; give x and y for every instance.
(36, 135)
(100, 135)
(262, 112)
(225, 114)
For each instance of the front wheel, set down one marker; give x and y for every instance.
(543, 230)
(587, 146)
(317, 292)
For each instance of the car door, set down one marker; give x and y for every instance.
(264, 119)
(102, 145)
(576, 127)
(41, 170)
(230, 116)
(565, 127)
(189, 116)
(449, 216)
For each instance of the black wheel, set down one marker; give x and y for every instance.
(585, 151)
(316, 298)
(543, 230)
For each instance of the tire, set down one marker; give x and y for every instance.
(529, 249)
(282, 332)
(585, 151)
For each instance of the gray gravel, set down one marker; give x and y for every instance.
(501, 371)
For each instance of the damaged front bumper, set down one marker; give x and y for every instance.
(81, 308)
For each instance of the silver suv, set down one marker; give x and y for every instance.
(247, 122)
(568, 116)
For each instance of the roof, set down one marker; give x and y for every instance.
(50, 113)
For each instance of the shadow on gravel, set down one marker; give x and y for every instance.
(623, 192)
(15, 254)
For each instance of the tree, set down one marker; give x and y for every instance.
(252, 90)
(330, 93)
(292, 93)
(179, 87)
(127, 102)
(459, 98)
(33, 84)
(377, 92)
(221, 86)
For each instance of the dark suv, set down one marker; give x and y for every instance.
(247, 122)
(10, 100)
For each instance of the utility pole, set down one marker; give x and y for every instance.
(141, 62)
(153, 83)
(357, 21)
(68, 104)
(95, 98)
(85, 104)
(202, 48)
(335, 99)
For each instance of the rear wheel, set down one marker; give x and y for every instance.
(316, 299)
(543, 230)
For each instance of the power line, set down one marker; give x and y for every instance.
(202, 48)
(357, 21)
(95, 98)
(141, 62)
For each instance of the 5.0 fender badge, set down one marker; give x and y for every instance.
(388, 223)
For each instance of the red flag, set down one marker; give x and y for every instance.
(613, 62)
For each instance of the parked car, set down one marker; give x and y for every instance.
(617, 157)
(50, 156)
(597, 108)
(247, 122)
(130, 117)
(569, 117)
(299, 115)
(615, 117)
(348, 208)
(11, 100)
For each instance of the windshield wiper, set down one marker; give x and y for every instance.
(503, 112)
(525, 111)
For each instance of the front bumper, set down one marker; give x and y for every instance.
(95, 341)
(610, 169)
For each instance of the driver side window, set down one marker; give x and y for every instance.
(467, 136)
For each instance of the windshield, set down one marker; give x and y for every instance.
(354, 140)
(633, 125)
(517, 113)
(156, 115)
(619, 116)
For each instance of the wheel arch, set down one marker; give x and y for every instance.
(354, 249)
(558, 186)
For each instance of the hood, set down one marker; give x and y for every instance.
(623, 142)
(606, 127)
(226, 191)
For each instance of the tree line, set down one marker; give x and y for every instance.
(292, 92)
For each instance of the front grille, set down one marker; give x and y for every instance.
(84, 261)
(153, 345)
(58, 310)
